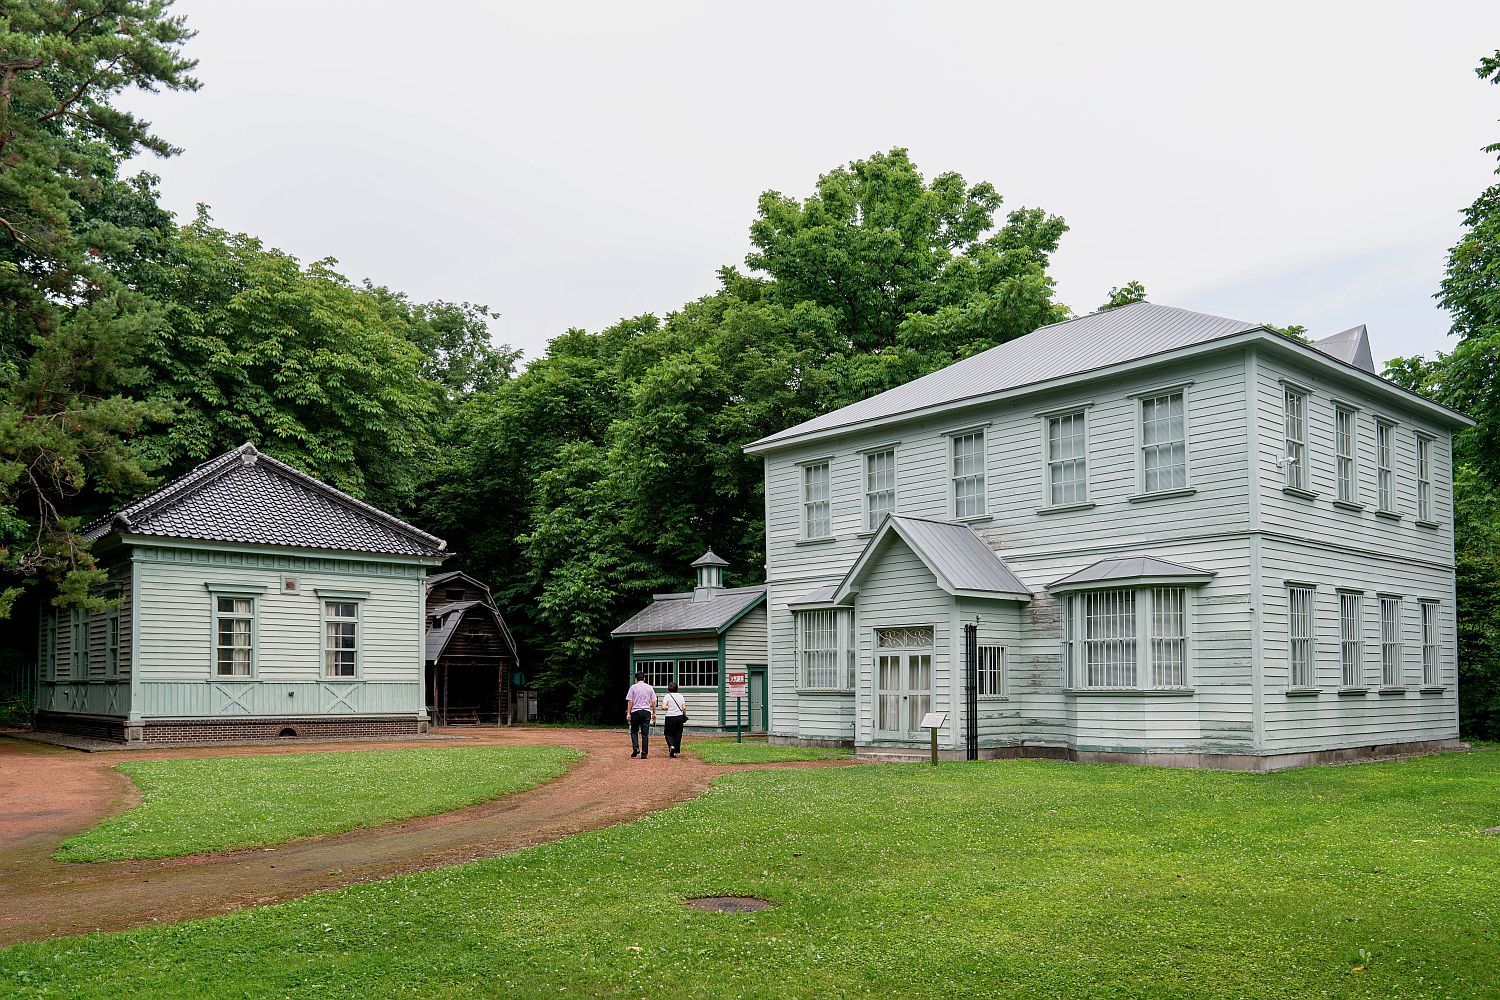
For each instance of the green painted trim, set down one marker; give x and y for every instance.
(723, 679)
(341, 595)
(765, 702)
(242, 589)
(692, 654)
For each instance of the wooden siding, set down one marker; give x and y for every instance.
(695, 642)
(745, 640)
(175, 646)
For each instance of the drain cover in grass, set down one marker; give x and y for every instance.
(728, 904)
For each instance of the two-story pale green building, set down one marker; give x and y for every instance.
(250, 601)
(1147, 534)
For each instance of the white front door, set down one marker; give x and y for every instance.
(903, 681)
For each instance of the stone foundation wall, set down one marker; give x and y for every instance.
(1213, 761)
(170, 731)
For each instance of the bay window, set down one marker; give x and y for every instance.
(1129, 638)
(826, 649)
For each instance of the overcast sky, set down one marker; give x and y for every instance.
(569, 164)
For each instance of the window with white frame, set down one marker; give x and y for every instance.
(1163, 442)
(112, 645)
(1067, 459)
(1430, 676)
(340, 638)
(1390, 642)
(991, 671)
(1295, 451)
(1169, 637)
(1300, 634)
(968, 474)
(658, 672)
(1128, 638)
(1424, 478)
(826, 649)
(234, 636)
(1351, 644)
(1346, 444)
(1385, 465)
(880, 486)
(816, 518)
(698, 673)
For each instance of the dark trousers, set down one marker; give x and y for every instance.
(640, 730)
(673, 729)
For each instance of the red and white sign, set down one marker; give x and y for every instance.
(738, 684)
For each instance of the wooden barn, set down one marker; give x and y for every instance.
(471, 656)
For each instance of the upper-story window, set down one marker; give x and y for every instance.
(968, 474)
(1295, 453)
(1424, 478)
(817, 521)
(1385, 465)
(1346, 445)
(1067, 459)
(1163, 442)
(880, 486)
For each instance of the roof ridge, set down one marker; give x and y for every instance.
(391, 520)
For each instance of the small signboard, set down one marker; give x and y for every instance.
(738, 684)
(933, 720)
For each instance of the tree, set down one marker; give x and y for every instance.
(1131, 291)
(68, 326)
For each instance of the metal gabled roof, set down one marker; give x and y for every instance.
(1067, 348)
(247, 496)
(1137, 570)
(680, 613)
(450, 616)
(962, 562)
(709, 558)
(822, 595)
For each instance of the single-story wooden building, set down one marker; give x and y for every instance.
(471, 657)
(252, 601)
(695, 638)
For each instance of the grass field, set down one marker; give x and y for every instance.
(1006, 879)
(758, 751)
(212, 804)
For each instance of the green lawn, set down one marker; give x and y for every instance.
(1006, 879)
(757, 751)
(218, 803)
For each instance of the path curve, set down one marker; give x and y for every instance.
(47, 794)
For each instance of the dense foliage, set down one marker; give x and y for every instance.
(1468, 378)
(598, 474)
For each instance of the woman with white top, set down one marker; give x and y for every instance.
(675, 710)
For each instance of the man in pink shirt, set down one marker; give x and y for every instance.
(640, 709)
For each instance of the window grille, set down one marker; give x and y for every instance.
(880, 487)
(1109, 638)
(1300, 633)
(112, 645)
(1345, 445)
(1296, 439)
(1424, 478)
(341, 638)
(1390, 641)
(827, 651)
(903, 638)
(698, 673)
(991, 670)
(234, 626)
(1351, 654)
(1430, 644)
(658, 672)
(1067, 460)
(968, 474)
(816, 519)
(1163, 442)
(1385, 452)
(1169, 637)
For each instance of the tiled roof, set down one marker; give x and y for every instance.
(680, 613)
(1073, 346)
(1127, 568)
(246, 496)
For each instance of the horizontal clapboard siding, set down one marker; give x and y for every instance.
(901, 592)
(745, 641)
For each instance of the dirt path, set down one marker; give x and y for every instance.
(47, 794)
